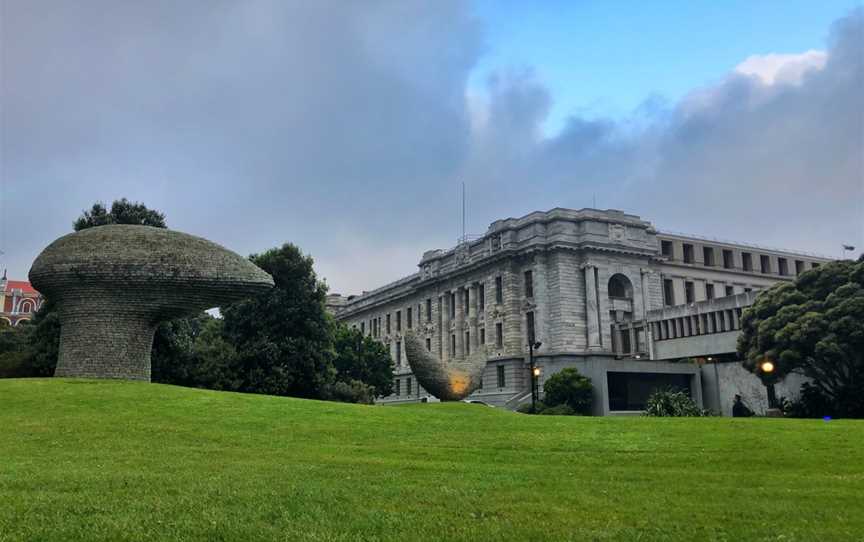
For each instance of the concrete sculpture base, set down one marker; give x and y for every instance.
(113, 285)
(449, 381)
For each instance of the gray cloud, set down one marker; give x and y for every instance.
(345, 128)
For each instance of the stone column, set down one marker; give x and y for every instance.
(460, 322)
(591, 307)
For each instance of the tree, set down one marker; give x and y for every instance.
(122, 211)
(283, 337)
(569, 387)
(362, 359)
(44, 341)
(14, 354)
(813, 327)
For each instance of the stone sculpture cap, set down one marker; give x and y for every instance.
(165, 267)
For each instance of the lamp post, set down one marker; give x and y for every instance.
(767, 368)
(535, 373)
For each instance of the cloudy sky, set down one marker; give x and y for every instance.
(347, 127)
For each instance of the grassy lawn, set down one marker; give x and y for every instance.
(87, 460)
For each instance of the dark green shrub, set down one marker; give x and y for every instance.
(558, 410)
(528, 408)
(673, 403)
(353, 391)
(568, 387)
(811, 403)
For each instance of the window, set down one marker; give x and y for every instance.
(814, 265)
(467, 343)
(388, 324)
(529, 283)
(363, 328)
(429, 310)
(730, 290)
(709, 291)
(466, 300)
(398, 353)
(668, 292)
(708, 256)
(799, 267)
(783, 266)
(398, 387)
(625, 342)
(453, 345)
(529, 326)
(398, 320)
(630, 391)
(482, 335)
(747, 261)
(666, 248)
(748, 290)
(408, 319)
(499, 335)
(728, 259)
(765, 264)
(481, 296)
(452, 305)
(502, 380)
(408, 386)
(688, 253)
(428, 344)
(689, 296)
(620, 287)
(499, 290)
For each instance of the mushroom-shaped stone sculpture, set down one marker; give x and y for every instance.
(449, 381)
(113, 285)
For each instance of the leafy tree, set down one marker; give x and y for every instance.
(362, 359)
(122, 211)
(44, 341)
(813, 327)
(283, 337)
(569, 387)
(14, 352)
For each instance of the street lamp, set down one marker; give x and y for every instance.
(767, 368)
(535, 373)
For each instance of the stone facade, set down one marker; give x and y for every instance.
(114, 284)
(572, 278)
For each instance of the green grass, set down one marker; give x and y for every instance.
(85, 460)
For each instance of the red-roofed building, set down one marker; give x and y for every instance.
(19, 301)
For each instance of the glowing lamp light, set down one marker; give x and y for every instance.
(536, 371)
(767, 367)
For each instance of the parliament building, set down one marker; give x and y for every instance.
(579, 282)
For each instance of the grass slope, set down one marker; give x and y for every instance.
(84, 460)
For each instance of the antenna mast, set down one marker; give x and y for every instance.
(463, 211)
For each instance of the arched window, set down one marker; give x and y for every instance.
(27, 306)
(620, 287)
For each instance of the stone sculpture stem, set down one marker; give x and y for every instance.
(105, 342)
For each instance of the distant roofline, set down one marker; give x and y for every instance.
(738, 243)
